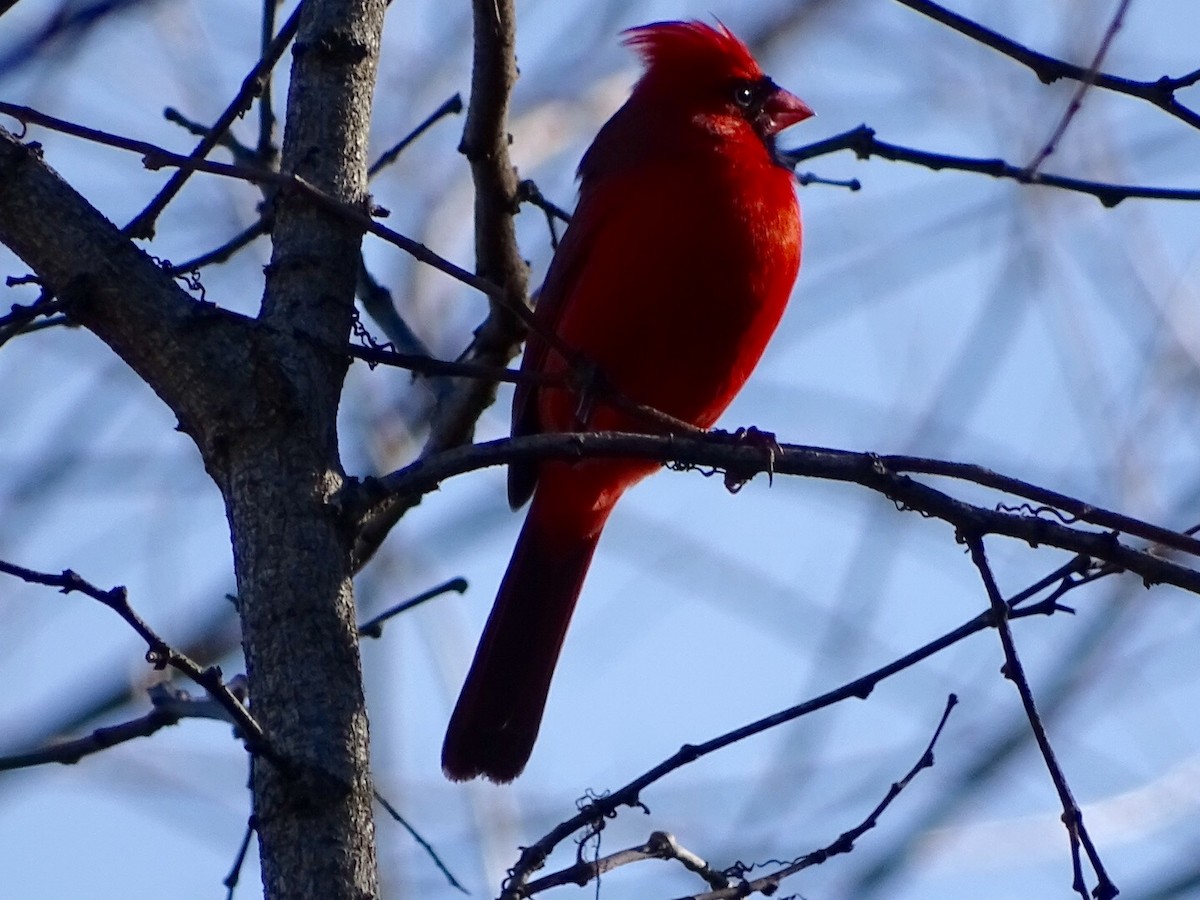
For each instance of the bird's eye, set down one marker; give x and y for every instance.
(743, 95)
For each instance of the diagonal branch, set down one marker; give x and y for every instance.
(252, 86)
(170, 705)
(1081, 89)
(629, 795)
(192, 358)
(768, 884)
(160, 654)
(1014, 670)
(1048, 69)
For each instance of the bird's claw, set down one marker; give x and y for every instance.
(735, 478)
(588, 383)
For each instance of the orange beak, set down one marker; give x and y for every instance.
(784, 109)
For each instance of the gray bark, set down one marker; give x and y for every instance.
(259, 398)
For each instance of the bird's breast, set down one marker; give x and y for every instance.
(687, 271)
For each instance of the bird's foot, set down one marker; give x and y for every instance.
(737, 477)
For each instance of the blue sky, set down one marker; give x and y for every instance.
(941, 314)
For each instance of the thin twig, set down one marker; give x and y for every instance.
(660, 845)
(158, 157)
(170, 705)
(601, 808)
(71, 752)
(864, 144)
(1014, 670)
(21, 319)
(267, 152)
(252, 86)
(224, 252)
(1081, 89)
(449, 107)
(1048, 69)
(373, 628)
(235, 872)
(427, 365)
(246, 156)
(424, 844)
(160, 653)
(844, 843)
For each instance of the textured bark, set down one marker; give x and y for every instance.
(497, 255)
(260, 400)
(316, 832)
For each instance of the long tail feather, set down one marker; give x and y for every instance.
(496, 719)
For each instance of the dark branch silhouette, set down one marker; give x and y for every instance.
(1014, 670)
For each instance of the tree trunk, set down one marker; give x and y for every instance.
(316, 832)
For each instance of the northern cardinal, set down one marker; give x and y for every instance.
(669, 281)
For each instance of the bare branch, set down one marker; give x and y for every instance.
(71, 752)
(160, 653)
(864, 144)
(223, 253)
(1161, 93)
(534, 856)
(661, 845)
(156, 157)
(450, 107)
(252, 86)
(421, 841)
(877, 473)
(1014, 670)
(427, 365)
(844, 843)
(498, 257)
(235, 872)
(374, 627)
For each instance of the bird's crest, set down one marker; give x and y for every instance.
(692, 49)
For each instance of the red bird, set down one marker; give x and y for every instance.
(670, 280)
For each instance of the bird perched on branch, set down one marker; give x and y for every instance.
(668, 283)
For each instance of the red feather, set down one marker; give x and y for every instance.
(670, 280)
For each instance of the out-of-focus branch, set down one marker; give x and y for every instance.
(1081, 89)
(71, 22)
(1048, 69)
(170, 705)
